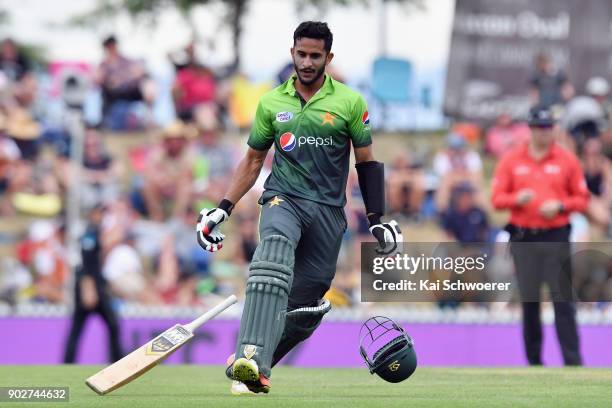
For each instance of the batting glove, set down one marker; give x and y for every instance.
(208, 234)
(389, 237)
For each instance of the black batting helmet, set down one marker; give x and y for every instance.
(391, 349)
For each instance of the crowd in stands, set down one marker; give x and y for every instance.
(152, 188)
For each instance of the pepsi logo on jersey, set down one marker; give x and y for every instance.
(288, 141)
(365, 118)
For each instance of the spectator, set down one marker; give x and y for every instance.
(99, 174)
(123, 81)
(358, 228)
(194, 87)
(598, 176)
(406, 186)
(47, 257)
(248, 237)
(34, 189)
(465, 220)
(100, 171)
(214, 161)
(119, 221)
(16, 70)
(549, 86)
(183, 58)
(25, 131)
(455, 165)
(168, 174)
(285, 73)
(505, 135)
(124, 271)
(586, 116)
(9, 157)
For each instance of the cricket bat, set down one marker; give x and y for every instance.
(151, 354)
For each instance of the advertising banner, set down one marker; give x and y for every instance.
(495, 43)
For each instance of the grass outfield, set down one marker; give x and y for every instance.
(194, 386)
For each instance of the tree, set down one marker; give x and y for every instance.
(235, 11)
(324, 5)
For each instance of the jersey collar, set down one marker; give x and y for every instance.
(327, 88)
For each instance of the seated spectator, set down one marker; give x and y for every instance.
(168, 174)
(455, 165)
(124, 272)
(586, 116)
(214, 159)
(406, 187)
(183, 58)
(177, 270)
(598, 176)
(99, 174)
(119, 221)
(30, 176)
(47, 258)
(25, 131)
(549, 86)
(16, 70)
(247, 227)
(464, 220)
(33, 188)
(471, 132)
(504, 135)
(123, 81)
(9, 156)
(194, 87)
(285, 73)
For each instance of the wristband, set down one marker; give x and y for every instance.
(227, 206)
(374, 219)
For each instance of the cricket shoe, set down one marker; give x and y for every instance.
(246, 372)
(239, 388)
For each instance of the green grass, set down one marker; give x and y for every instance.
(194, 386)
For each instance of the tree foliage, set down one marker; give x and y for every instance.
(235, 10)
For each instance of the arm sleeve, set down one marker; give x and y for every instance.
(371, 177)
(262, 132)
(503, 197)
(578, 193)
(359, 124)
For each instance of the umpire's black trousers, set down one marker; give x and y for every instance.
(543, 256)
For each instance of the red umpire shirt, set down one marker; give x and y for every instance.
(557, 176)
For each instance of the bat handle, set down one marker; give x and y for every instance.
(210, 314)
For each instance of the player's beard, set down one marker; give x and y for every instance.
(314, 79)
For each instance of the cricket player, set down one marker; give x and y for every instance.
(312, 121)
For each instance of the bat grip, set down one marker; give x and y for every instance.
(211, 313)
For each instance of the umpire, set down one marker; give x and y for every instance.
(91, 292)
(542, 183)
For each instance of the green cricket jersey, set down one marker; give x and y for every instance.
(312, 149)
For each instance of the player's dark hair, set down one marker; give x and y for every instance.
(314, 29)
